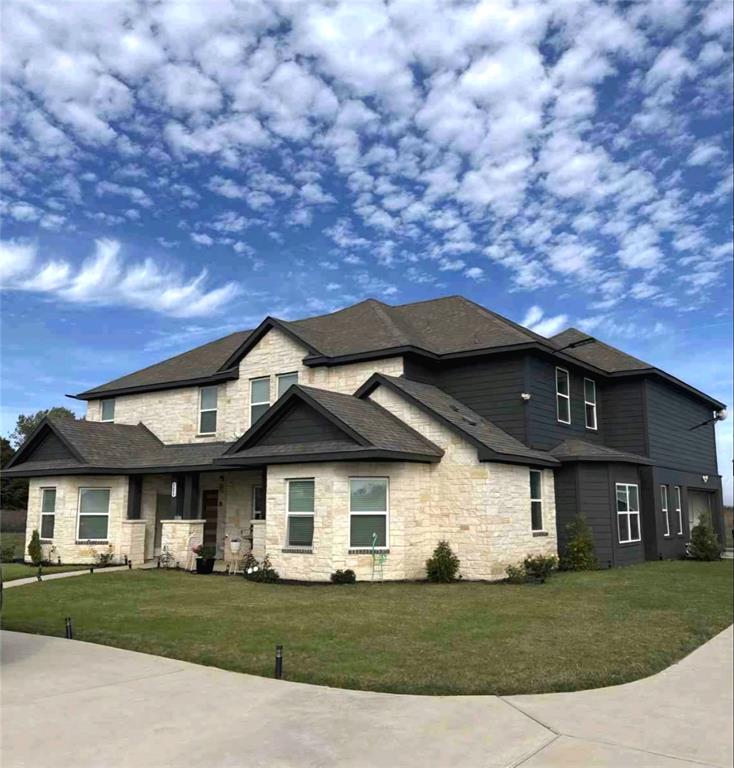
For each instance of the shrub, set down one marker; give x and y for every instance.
(443, 565)
(262, 572)
(7, 553)
(704, 541)
(516, 574)
(540, 567)
(344, 577)
(34, 548)
(579, 553)
(205, 551)
(105, 558)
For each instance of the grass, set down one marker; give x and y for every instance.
(13, 571)
(579, 630)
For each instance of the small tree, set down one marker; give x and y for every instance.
(443, 565)
(704, 541)
(34, 548)
(579, 553)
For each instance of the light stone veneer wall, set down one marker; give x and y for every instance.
(481, 508)
(64, 544)
(179, 537)
(173, 415)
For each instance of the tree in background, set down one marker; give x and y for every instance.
(28, 422)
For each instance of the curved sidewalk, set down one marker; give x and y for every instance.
(82, 704)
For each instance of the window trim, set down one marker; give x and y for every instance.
(561, 395)
(260, 402)
(386, 546)
(80, 514)
(101, 409)
(678, 507)
(199, 432)
(595, 427)
(47, 514)
(279, 376)
(629, 513)
(540, 500)
(289, 514)
(664, 508)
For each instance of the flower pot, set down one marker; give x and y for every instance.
(234, 546)
(204, 565)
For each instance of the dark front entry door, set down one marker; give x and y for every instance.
(210, 512)
(162, 512)
(700, 504)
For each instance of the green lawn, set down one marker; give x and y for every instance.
(13, 571)
(577, 631)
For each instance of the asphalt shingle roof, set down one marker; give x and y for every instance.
(580, 450)
(597, 353)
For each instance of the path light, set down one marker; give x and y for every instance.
(278, 662)
(69, 628)
(39, 575)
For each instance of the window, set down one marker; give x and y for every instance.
(590, 403)
(94, 512)
(258, 502)
(108, 410)
(300, 513)
(664, 507)
(628, 513)
(48, 512)
(285, 380)
(536, 500)
(678, 508)
(208, 410)
(563, 396)
(368, 510)
(259, 398)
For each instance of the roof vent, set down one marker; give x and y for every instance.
(455, 408)
(469, 421)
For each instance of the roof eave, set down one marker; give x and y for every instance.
(371, 454)
(214, 378)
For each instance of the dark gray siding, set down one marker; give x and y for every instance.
(595, 504)
(50, 448)
(623, 417)
(672, 443)
(566, 501)
(302, 424)
(626, 554)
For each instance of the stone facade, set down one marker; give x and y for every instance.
(178, 538)
(132, 541)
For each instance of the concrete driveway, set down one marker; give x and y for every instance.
(77, 704)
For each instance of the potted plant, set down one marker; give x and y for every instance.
(234, 545)
(205, 557)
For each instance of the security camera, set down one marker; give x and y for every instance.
(526, 396)
(721, 415)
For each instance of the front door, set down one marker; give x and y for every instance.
(699, 505)
(210, 512)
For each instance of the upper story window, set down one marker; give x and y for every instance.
(208, 410)
(368, 512)
(286, 380)
(48, 512)
(664, 508)
(628, 513)
(108, 410)
(590, 403)
(536, 499)
(563, 396)
(678, 508)
(259, 397)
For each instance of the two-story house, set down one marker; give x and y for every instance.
(365, 436)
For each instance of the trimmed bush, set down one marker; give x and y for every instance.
(262, 572)
(579, 554)
(704, 541)
(347, 576)
(443, 565)
(7, 553)
(34, 548)
(516, 574)
(540, 567)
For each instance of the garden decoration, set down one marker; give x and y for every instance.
(378, 560)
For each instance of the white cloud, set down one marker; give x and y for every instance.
(536, 321)
(705, 153)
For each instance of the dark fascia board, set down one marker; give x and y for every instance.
(365, 454)
(45, 424)
(670, 379)
(484, 452)
(92, 394)
(94, 470)
(277, 410)
(268, 323)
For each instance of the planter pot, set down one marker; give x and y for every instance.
(234, 546)
(204, 566)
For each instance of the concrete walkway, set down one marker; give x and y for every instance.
(51, 576)
(72, 703)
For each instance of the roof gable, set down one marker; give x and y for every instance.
(48, 444)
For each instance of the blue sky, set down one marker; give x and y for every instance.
(174, 171)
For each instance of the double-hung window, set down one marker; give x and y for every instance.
(107, 410)
(536, 499)
(300, 513)
(678, 508)
(94, 514)
(664, 507)
(368, 512)
(285, 380)
(208, 410)
(563, 396)
(48, 512)
(628, 513)
(590, 403)
(259, 397)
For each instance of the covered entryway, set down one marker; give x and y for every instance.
(700, 505)
(210, 514)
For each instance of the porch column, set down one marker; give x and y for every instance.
(134, 496)
(177, 501)
(191, 496)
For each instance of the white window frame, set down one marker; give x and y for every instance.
(289, 514)
(629, 513)
(561, 395)
(260, 402)
(279, 377)
(101, 409)
(664, 508)
(374, 512)
(48, 514)
(678, 507)
(79, 513)
(208, 410)
(595, 425)
(540, 485)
